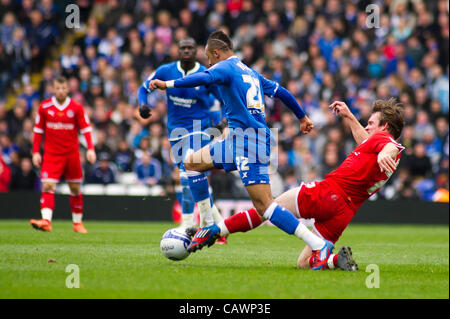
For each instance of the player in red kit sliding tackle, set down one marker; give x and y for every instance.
(59, 119)
(334, 201)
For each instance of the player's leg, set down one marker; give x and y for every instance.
(183, 192)
(74, 176)
(342, 260)
(47, 207)
(195, 165)
(51, 171)
(76, 205)
(303, 259)
(331, 214)
(280, 216)
(187, 201)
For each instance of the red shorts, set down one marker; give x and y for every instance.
(53, 166)
(328, 205)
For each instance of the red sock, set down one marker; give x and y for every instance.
(243, 221)
(76, 203)
(48, 200)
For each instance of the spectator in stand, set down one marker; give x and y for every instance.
(8, 147)
(124, 157)
(25, 178)
(321, 50)
(103, 172)
(41, 35)
(148, 170)
(419, 163)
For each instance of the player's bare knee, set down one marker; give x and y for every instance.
(75, 189)
(189, 163)
(303, 263)
(48, 187)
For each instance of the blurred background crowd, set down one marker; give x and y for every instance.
(320, 50)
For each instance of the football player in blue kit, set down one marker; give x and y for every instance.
(191, 111)
(247, 145)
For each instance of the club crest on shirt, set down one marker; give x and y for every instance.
(70, 113)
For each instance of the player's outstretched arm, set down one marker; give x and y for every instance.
(358, 131)
(190, 81)
(144, 108)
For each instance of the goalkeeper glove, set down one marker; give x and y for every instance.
(144, 111)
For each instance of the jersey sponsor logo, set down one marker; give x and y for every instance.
(60, 126)
(46, 105)
(181, 101)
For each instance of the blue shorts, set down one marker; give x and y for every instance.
(193, 141)
(248, 154)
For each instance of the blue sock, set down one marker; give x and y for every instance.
(179, 193)
(199, 185)
(187, 202)
(282, 218)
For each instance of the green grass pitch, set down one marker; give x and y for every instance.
(123, 260)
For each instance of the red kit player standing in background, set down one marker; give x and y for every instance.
(58, 120)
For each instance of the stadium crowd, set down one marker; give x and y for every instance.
(320, 50)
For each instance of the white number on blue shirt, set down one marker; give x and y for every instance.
(254, 98)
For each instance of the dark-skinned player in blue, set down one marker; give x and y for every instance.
(191, 112)
(247, 146)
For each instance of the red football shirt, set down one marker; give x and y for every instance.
(60, 124)
(359, 175)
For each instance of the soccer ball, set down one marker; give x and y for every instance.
(174, 243)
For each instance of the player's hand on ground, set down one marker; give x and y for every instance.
(386, 163)
(340, 108)
(37, 160)
(91, 156)
(306, 125)
(144, 111)
(157, 84)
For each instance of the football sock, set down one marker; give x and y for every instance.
(286, 221)
(187, 200)
(240, 222)
(77, 218)
(198, 183)
(47, 204)
(187, 220)
(47, 214)
(76, 204)
(332, 261)
(216, 214)
(311, 239)
(179, 193)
